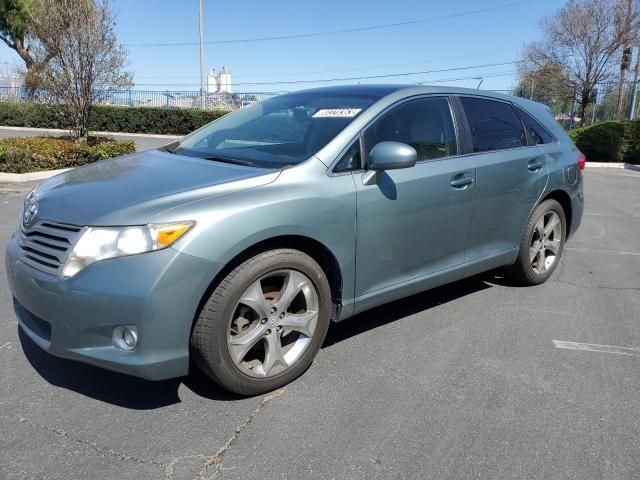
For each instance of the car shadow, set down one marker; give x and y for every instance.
(390, 312)
(115, 388)
(138, 394)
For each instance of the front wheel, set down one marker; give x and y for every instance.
(541, 245)
(264, 323)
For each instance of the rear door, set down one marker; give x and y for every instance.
(511, 175)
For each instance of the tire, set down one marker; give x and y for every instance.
(529, 269)
(249, 305)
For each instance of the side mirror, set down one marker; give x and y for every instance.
(392, 155)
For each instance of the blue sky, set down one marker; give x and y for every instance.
(475, 39)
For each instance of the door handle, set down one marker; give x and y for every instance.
(461, 181)
(535, 164)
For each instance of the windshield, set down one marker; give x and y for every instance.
(283, 130)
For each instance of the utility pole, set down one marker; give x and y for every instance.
(634, 95)
(532, 83)
(626, 59)
(573, 107)
(203, 91)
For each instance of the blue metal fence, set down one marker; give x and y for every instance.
(154, 98)
(603, 105)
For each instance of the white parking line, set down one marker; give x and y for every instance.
(593, 347)
(617, 215)
(593, 250)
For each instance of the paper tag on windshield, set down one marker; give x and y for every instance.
(337, 113)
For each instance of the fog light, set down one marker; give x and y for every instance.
(125, 337)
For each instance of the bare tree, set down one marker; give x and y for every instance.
(87, 60)
(585, 39)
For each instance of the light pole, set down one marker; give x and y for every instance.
(203, 91)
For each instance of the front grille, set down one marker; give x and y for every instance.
(45, 245)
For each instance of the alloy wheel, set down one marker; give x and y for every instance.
(545, 242)
(273, 323)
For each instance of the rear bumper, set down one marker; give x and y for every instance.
(74, 318)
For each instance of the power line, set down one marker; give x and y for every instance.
(425, 82)
(369, 67)
(474, 77)
(334, 32)
(352, 69)
(366, 77)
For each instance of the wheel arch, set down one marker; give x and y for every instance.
(312, 247)
(564, 200)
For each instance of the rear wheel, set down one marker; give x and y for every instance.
(541, 245)
(264, 323)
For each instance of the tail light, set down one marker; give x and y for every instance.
(582, 160)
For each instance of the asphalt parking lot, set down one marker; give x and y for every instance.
(461, 382)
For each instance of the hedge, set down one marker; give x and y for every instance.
(609, 141)
(32, 154)
(176, 121)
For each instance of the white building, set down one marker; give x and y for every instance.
(219, 82)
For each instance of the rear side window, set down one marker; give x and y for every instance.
(494, 125)
(537, 132)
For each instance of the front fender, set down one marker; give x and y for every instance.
(304, 201)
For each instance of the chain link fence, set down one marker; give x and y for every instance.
(602, 107)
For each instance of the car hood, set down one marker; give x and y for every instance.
(130, 190)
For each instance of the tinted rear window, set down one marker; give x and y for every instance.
(536, 131)
(494, 125)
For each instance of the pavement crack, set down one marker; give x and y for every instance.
(215, 461)
(89, 445)
(169, 468)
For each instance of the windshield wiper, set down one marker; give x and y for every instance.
(234, 161)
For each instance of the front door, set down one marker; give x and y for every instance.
(413, 223)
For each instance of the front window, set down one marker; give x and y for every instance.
(426, 124)
(283, 130)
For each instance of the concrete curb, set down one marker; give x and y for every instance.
(628, 166)
(115, 134)
(28, 177)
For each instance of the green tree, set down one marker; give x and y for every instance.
(547, 83)
(16, 30)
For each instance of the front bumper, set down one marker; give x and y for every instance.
(159, 292)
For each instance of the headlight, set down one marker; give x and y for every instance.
(100, 243)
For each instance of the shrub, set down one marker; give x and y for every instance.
(31, 115)
(32, 154)
(176, 121)
(632, 151)
(602, 142)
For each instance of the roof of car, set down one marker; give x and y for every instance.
(379, 90)
(382, 90)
